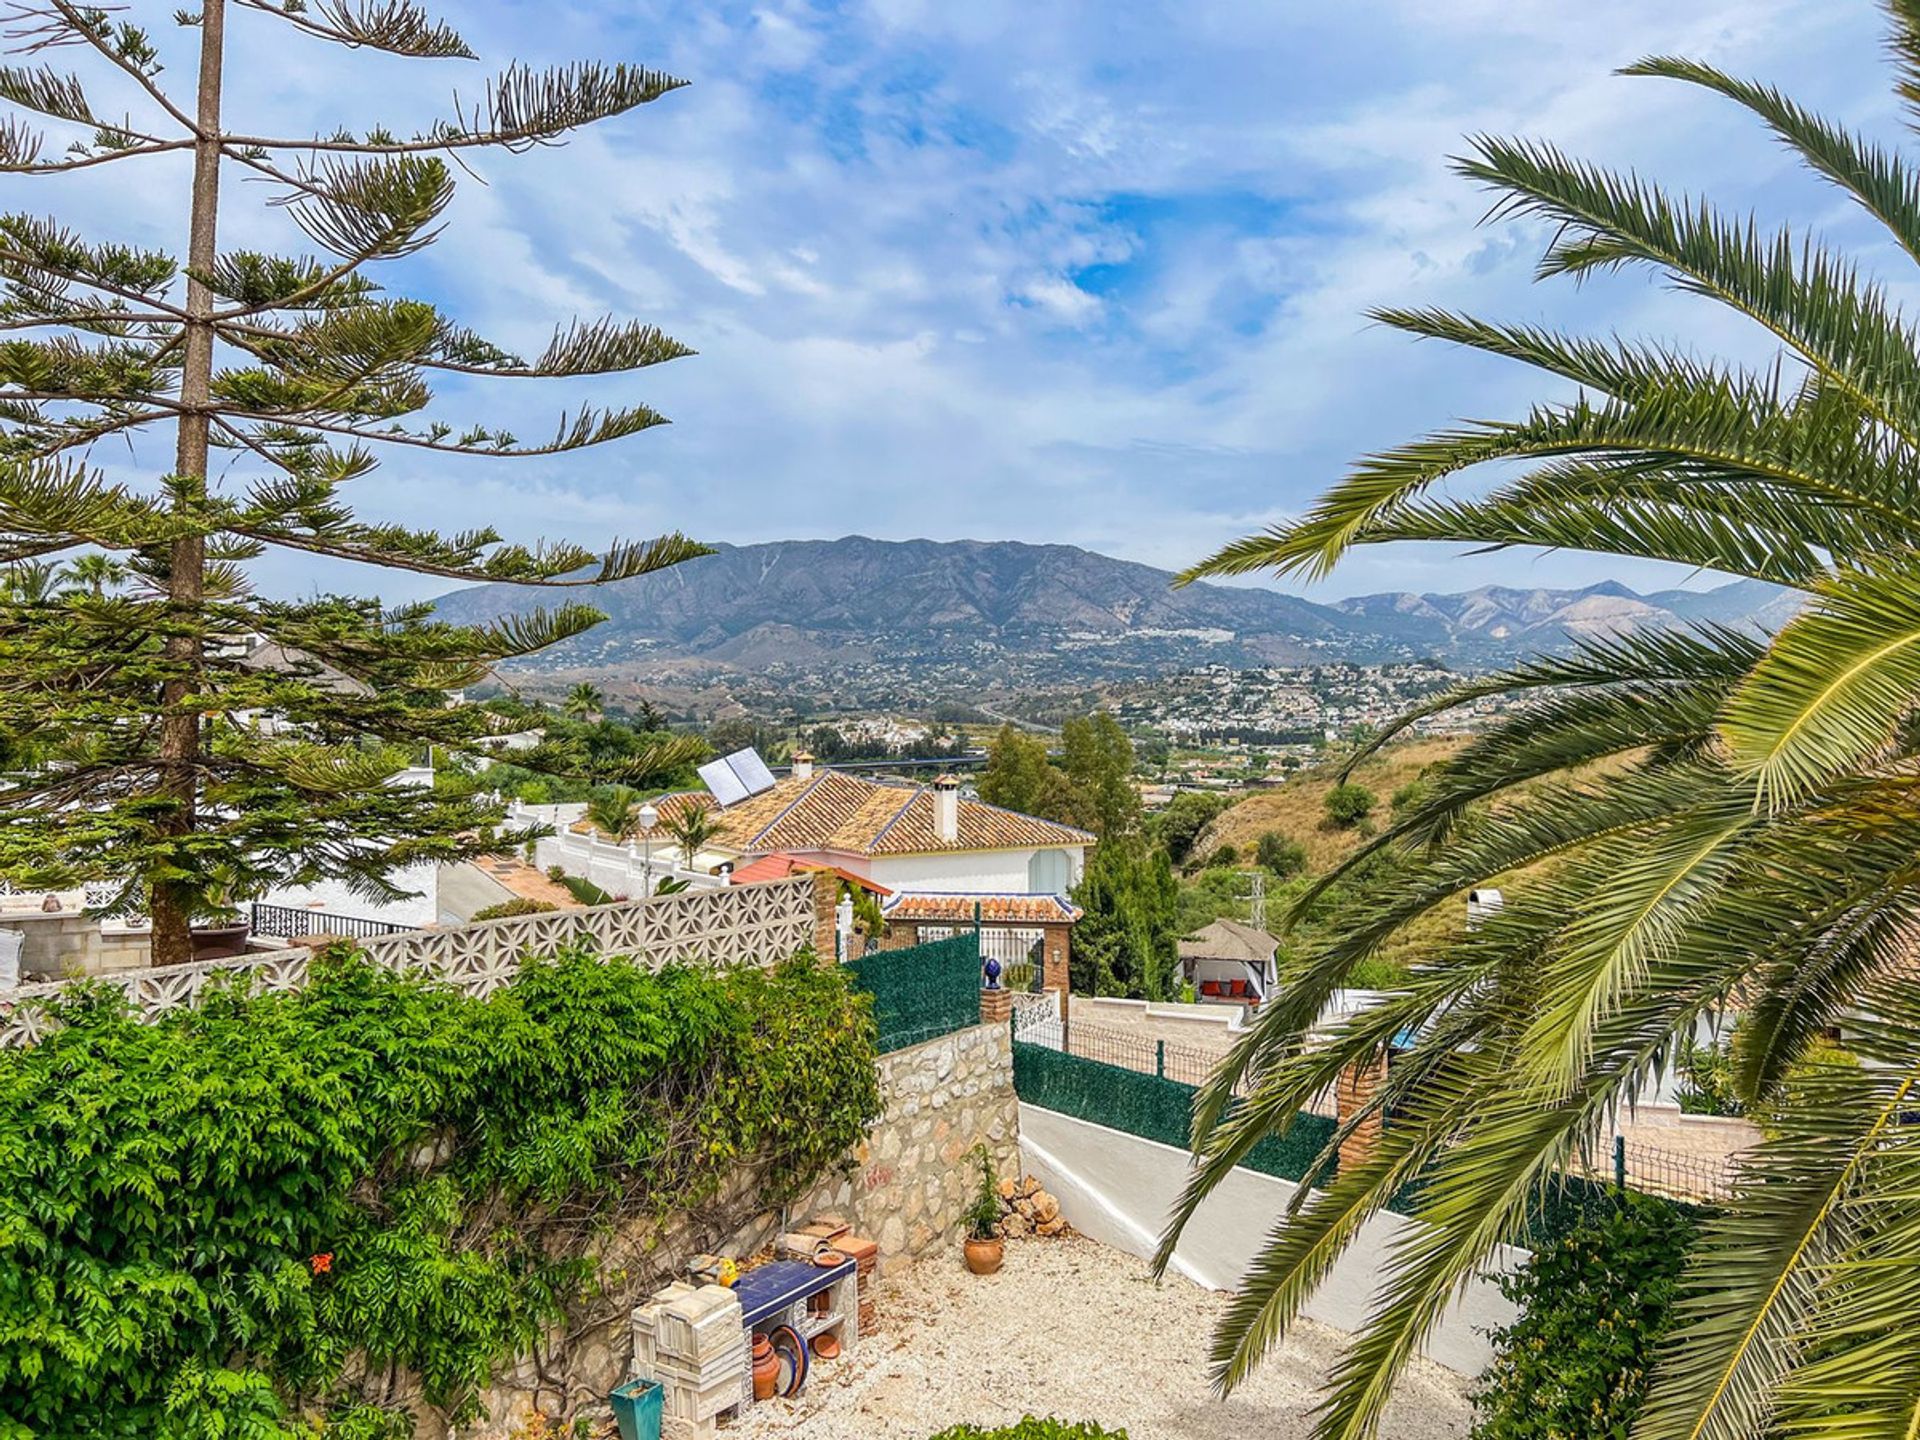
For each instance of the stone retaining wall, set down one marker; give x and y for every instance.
(913, 1176)
(907, 1186)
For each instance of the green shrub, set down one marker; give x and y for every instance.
(983, 1214)
(1034, 1427)
(204, 1220)
(1280, 855)
(1706, 1078)
(1378, 972)
(519, 905)
(1594, 1303)
(1347, 805)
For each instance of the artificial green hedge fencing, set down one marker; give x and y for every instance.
(921, 992)
(1156, 1109)
(1148, 1106)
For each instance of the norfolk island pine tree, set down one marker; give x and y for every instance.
(297, 371)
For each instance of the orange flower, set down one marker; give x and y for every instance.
(322, 1263)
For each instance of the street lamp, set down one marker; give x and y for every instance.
(648, 815)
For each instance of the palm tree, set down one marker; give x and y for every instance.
(1714, 816)
(615, 812)
(691, 827)
(94, 574)
(584, 701)
(28, 582)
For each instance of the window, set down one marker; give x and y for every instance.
(1049, 872)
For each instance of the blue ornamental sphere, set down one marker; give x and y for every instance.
(992, 969)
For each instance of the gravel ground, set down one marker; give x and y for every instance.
(1073, 1329)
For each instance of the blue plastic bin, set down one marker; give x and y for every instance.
(636, 1409)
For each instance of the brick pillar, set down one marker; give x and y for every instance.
(996, 1006)
(1054, 974)
(1357, 1085)
(826, 899)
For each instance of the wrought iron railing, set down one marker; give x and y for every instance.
(292, 923)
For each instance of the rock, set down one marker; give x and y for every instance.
(1045, 1207)
(1029, 1186)
(1014, 1226)
(1056, 1226)
(1007, 1187)
(1024, 1207)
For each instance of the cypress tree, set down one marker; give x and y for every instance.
(167, 728)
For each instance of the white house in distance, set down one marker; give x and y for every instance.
(921, 841)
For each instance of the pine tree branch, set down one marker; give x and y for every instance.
(395, 26)
(79, 25)
(88, 162)
(578, 434)
(522, 108)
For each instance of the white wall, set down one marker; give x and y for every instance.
(620, 870)
(1119, 1189)
(972, 872)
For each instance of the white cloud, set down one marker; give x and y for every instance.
(1074, 272)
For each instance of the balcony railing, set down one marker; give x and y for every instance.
(295, 923)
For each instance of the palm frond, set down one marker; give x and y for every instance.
(1837, 681)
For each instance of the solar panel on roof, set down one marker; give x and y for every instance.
(732, 778)
(751, 769)
(724, 784)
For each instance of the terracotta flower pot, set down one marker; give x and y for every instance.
(984, 1256)
(766, 1368)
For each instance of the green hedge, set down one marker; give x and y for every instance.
(922, 991)
(1149, 1107)
(233, 1222)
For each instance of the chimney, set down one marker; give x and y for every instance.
(946, 808)
(802, 765)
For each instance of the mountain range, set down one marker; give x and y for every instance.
(954, 616)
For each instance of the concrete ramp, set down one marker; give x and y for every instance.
(1118, 1189)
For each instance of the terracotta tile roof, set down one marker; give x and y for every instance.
(780, 866)
(832, 810)
(958, 909)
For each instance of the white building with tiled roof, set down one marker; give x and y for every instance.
(909, 839)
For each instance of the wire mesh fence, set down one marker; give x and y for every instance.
(1659, 1170)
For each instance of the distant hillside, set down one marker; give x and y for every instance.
(1495, 619)
(1298, 808)
(947, 618)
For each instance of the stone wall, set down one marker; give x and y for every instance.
(65, 944)
(907, 1186)
(913, 1178)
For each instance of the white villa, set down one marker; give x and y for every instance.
(906, 839)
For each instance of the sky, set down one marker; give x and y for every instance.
(1087, 273)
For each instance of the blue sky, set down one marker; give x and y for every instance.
(1077, 272)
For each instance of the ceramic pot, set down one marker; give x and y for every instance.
(766, 1368)
(984, 1256)
(220, 942)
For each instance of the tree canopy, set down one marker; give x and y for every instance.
(165, 721)
(1715, 818)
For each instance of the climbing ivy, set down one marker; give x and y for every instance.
(246, 1219)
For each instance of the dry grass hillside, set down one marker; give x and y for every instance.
(1297, 809)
